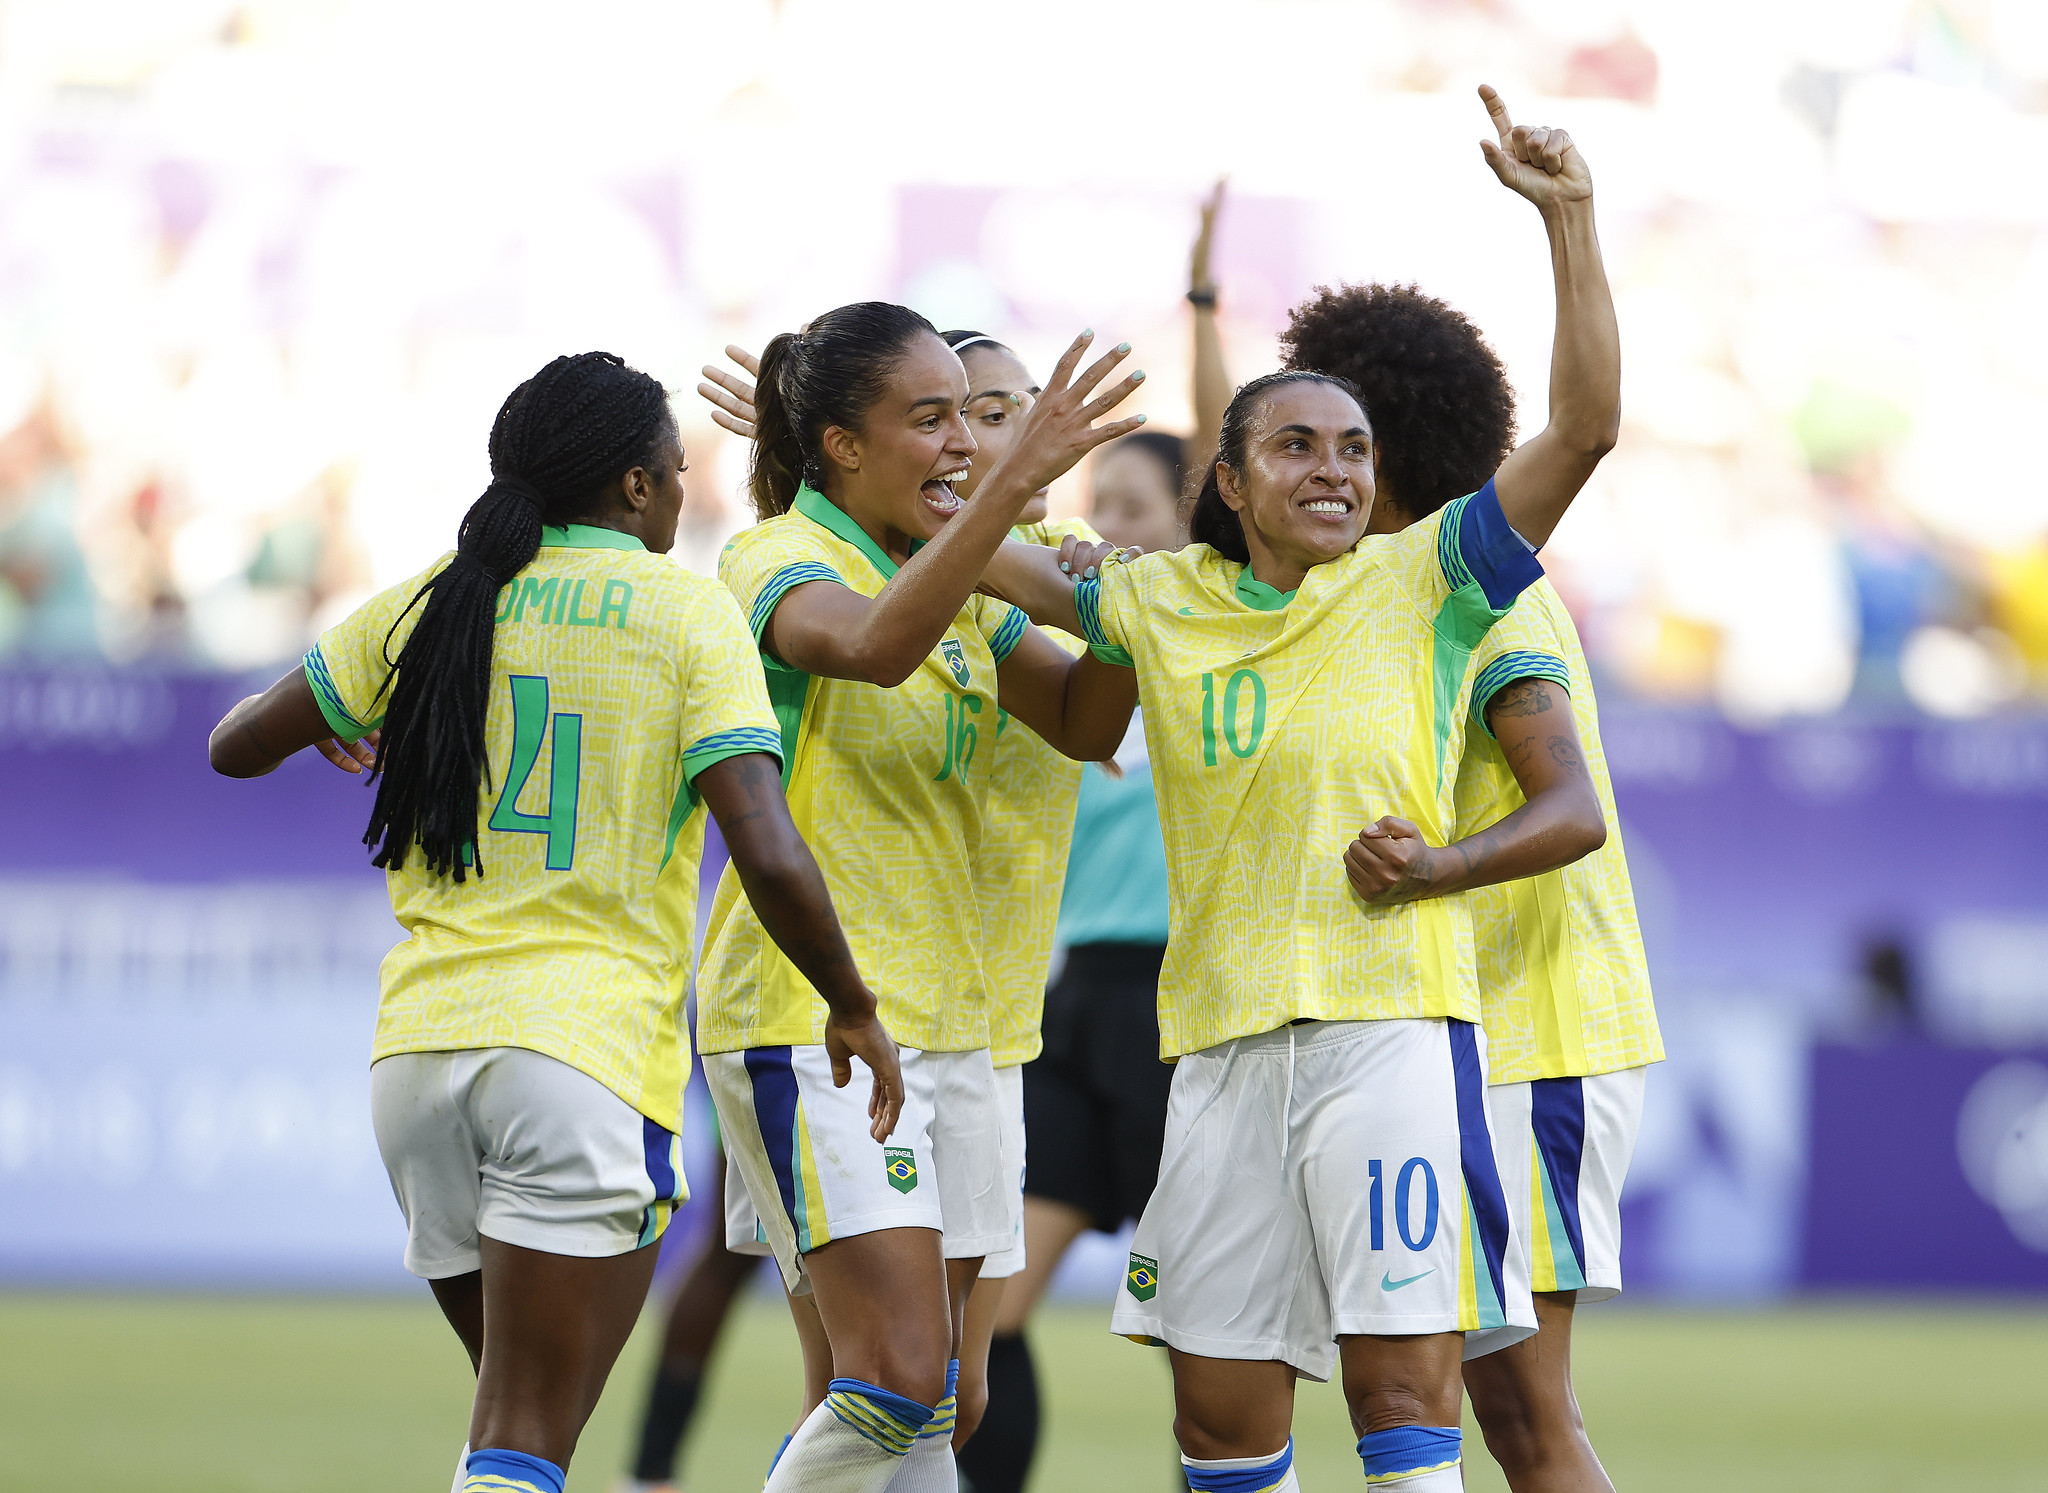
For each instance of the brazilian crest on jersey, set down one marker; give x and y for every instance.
(888, 787)
(617, 677)
(1563, 985)
(1279, 726)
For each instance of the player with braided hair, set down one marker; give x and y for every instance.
(546, 710)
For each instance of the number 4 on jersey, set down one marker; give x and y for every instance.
(530, 725)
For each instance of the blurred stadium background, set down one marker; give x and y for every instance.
(267, 269)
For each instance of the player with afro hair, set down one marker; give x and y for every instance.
(1437, 396)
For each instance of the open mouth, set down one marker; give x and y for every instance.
(1330, 507)
(939, 496)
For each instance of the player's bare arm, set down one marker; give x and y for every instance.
(1538, 481)
(828, 630)
(262, 730)
(1560, 822)
(1080, 706)
(787, 891)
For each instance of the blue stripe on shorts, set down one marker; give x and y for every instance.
(775, 1099)
(1557, 1113)
(1483, 1192)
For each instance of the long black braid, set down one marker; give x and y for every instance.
(560, 441)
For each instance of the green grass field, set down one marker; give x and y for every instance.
(194, 1394)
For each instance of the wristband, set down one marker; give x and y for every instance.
(1203, 297)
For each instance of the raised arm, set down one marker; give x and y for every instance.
(782, 881)
(1212, 378)
(1559, 822)
(1538, 481)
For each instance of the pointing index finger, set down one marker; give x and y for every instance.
(1497, 107)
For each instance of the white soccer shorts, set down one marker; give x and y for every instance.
(815, 1174)
(1563, 1146)
(1325, 1180)
(509, 1144)
(1009, 1260)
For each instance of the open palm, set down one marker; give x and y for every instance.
(1541, 163)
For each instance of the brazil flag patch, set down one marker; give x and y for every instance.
(1143, 1277)
(901, 1165)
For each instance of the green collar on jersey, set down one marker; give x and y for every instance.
(587, 537)
(1259, 596)
(820, 509)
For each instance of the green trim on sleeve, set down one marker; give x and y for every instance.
(734, 743)
(1004, 640)
(1510, 668)
(1088, 606)
(327, 695)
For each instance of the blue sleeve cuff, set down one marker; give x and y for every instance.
(737, 742)
(1088, 604)
(1477, 543)
(1003, 642)
(780, 585)
(327, 695)
(1510, 667)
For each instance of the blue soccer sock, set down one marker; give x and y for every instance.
(494, 1470)
(1414, 1459)
(930, 1467)
(1274, 1474)
(853, 1443)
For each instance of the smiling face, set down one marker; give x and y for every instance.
(895, 475)
(1305, 490)
(994, 374)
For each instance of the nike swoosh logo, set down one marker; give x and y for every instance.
(1187, 611)
(1388, 1283)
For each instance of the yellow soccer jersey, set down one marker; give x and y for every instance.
(1279, 727)
(1563, 987)
(1023, 864)
(616, 677)
(889, 787)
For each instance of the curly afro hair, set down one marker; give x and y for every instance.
(1437, 396)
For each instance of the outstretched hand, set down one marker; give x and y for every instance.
(1059, 428)
(1540, 163)
(732, 397)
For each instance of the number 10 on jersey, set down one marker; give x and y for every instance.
(1242, 743)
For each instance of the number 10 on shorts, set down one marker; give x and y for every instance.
(1404, 1203)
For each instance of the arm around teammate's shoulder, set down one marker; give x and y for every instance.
(1538, 481)
(788, 894)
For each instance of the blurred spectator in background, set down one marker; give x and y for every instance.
(48, 605)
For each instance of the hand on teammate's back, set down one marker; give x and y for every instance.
(350, 756)
(1540, 163)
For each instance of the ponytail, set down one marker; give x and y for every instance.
(778, 466)
(831, 373)
(1214, 522)
(559, 441)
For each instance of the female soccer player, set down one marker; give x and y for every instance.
(529, 1057)
(1022, 856)
(1563, 987)
(1328, 1171)
(888, 673)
